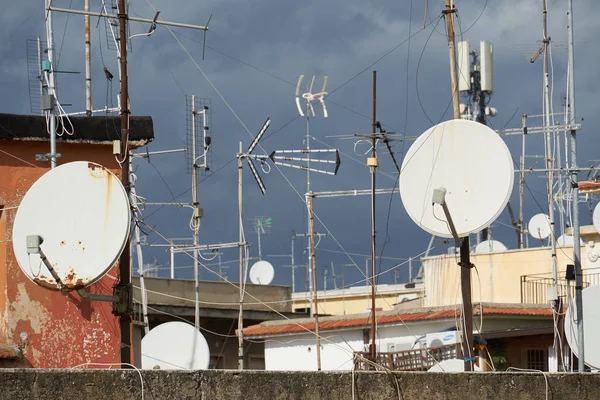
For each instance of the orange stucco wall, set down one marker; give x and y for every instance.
(56, 330)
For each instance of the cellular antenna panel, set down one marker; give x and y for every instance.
(81, 213)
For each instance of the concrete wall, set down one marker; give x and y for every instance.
(233, 385)
(55, 330)
(298, 352)
(221, 295)
(499, 275)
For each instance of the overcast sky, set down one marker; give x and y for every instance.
(255, 53)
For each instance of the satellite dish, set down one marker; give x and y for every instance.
(490, 246)
(453, 365)
(81, 212)
(567, 241)
(262, 273)
(591, 326)
(596, 217)
(471, 162)
(175, 345)
(539, 226)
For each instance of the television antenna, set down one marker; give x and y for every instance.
(311, 97)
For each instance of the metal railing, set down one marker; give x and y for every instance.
(407, 360)
(534, 286)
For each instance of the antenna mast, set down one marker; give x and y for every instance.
(88, 62)
(51, 83)
(372, 163)
(465, 259)
(576, 233)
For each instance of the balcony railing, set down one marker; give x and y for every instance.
(407, 360)
(534, 287)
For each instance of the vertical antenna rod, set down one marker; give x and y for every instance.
(465, 258)
(550, 173)
(372, 164)
(125, 260)
(293, 263)
(195, 219)
(576, 233)
(310, 198)
(449, 11)
(51, 83)
(88, 62)
(241, 239)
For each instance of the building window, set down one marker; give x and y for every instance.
(537, 359)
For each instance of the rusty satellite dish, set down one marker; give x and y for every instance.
(175, 345)
(81, 213)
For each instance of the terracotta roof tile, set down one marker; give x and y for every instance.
(360, 320)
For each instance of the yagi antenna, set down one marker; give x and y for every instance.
(311, 97)
(278, 159)
(251, 157)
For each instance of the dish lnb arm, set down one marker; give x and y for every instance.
(439, 197)
(34, 243)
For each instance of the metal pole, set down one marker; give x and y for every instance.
(550, 172)
(314, 275)
(125, 260)
(410, 269)
(311, 267)
(172, 250)
(465, 285)
(241, 240)
(293, 264)
(195, 219)
(259, 246)
(372, 162)
(449, 11)
(88, 62)
(333, 276)
(522, 182)
(465, 259)
(576, 233)
(140, 259)
(51, 84)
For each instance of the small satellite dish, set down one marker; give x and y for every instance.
(471, 162)
(567, 241)
(539, 226)
(596, 217)
(591, 326)
(262, 273)
(453, 365)
(490, 246)
(175, 345)
(81, 212)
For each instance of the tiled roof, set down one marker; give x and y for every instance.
(390, 317)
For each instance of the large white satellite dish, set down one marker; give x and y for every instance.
(596, 217)
(490, 246)
(567, 241)
(453, 365)
(262, 273)
(175, 345)
(539, 226)
(81, 211)
(591, 326)
(471, 162)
